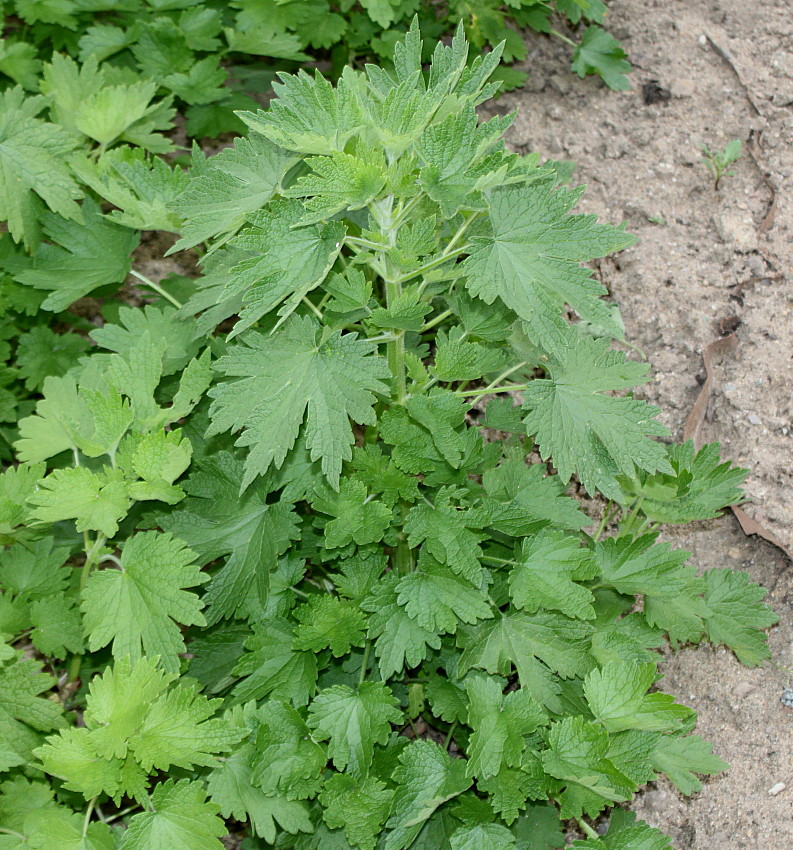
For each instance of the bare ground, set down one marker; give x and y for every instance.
(707, 262)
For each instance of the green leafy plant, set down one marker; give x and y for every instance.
(717, 162)
(208, 54)
(281, 533)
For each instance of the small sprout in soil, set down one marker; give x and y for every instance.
(717, 162)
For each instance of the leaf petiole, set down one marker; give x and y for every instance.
(157, 288)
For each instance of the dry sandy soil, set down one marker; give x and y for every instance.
(707, 261)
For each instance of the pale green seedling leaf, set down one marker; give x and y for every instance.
(287, 760)
(308, 115)
(107, 114)
(246, 528)
(439, 600)
(399, 640)
(600, 53)
(356, 516)
(230, 786)
(273, 668)
(737, 614)
(483, 836)
(359, 806)
(329, 622)
(289, 261)
(576, 755)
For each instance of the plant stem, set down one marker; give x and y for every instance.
(381, 338)
(563, 37)
(157, 288)
(121, 814)
(438, 261)
(500, 560)
(4, 831)
(449, 735)
(87, 818)
(626, 526)
(437, 320)
(359, 242)
(91, 560)
(365, 663)
(313, 307)
(382, 212)
(491, 390)
(493, 386)
(449, 252)
(461, 230)
(607, 514)
(406, 210)
(403, 555)
(587, 829)
(113, 559)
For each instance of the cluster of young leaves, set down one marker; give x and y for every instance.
(88, 95)
(208, 54)
(290, 570)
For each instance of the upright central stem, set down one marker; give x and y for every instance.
(396, 346)
(383, 213)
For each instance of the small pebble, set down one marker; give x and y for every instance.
(777, 789)
(734, 553)
(754, 419)
(703, 40)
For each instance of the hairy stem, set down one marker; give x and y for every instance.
(383, 213)
(437, 320)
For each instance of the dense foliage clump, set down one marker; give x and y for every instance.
(282, 535)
